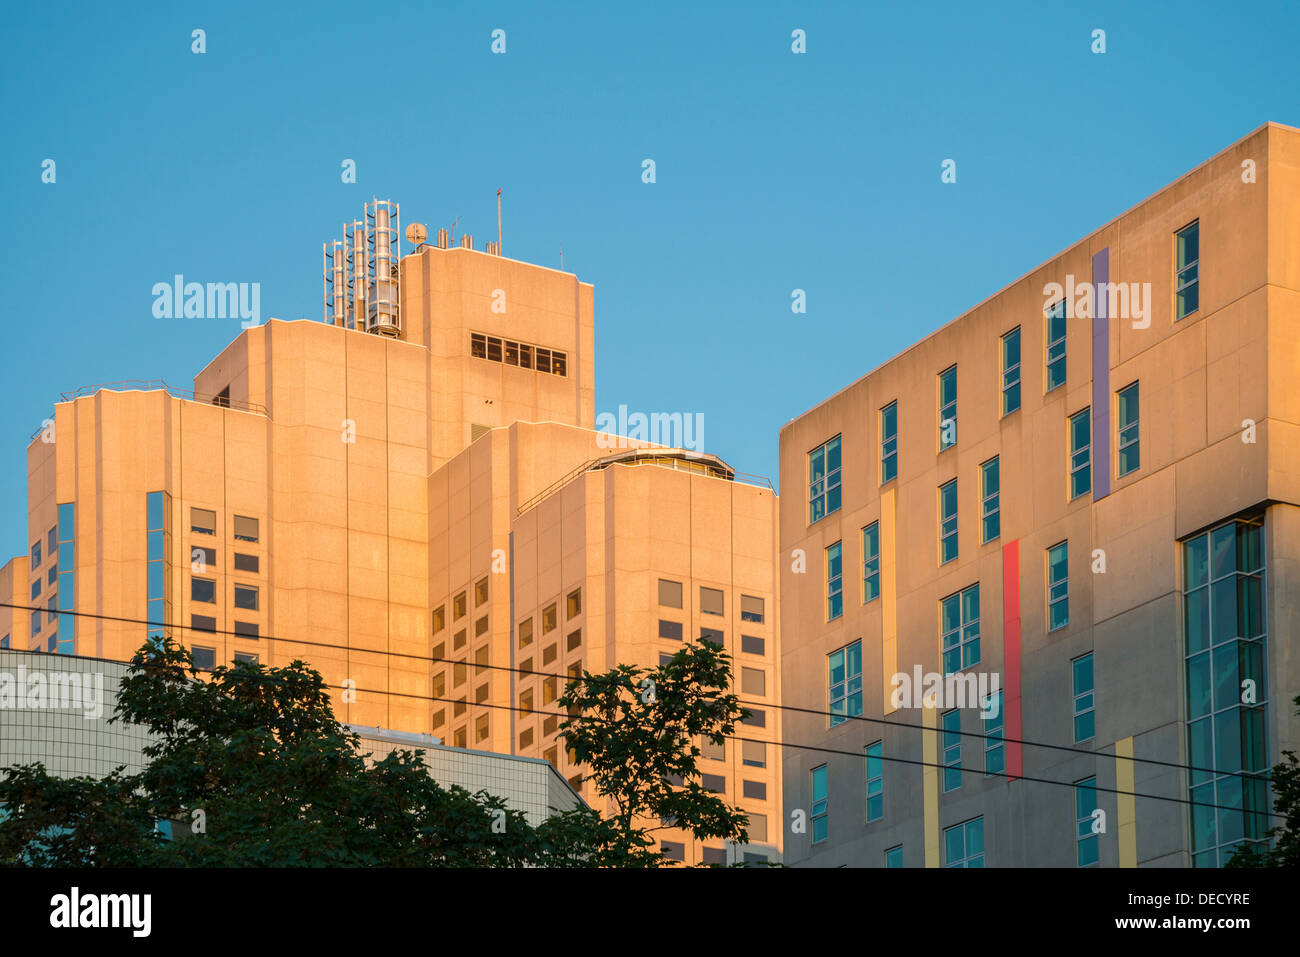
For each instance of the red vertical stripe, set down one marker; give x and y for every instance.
(1011, 653)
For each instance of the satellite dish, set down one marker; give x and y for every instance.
(416, 233)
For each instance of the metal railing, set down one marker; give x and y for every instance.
(160, 385)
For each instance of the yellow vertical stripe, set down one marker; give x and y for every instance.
(1126, 812)
(888, 598)
(930, 781)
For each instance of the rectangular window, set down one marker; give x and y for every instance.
(963, 844)
(203, 623)
(1011, 371)
(995, 760)
(834, 582)
(1058, 586)
(246, 597)
(1080, 453)
(960, 629)
(52, 575)
(875, 782)
(717, 783)
(753, 754)
(36, 622)
(204, 590)
(950, 721)
(205, 659)
(203, 521)
(458, 640)
(480, 592)
(439, 618)
(751, 645)
(481, 626)
(36, 589)
(36, 554)
(824, 480)
(1081, 679)
(711, 602)
(574, 639)
(573, 604)
(246, 657)
(871, 562)
(1187, 243)
(246, 629)
(481, 727)
(947, 522)
(894, 856)
(672, 630)
(757, 718)
(844, 674)
(1055, 346)
(245, 528)
(751, 609)
(1086, 842)
(203, 559)
(4, 642)
(990, 501)
(714, 635)
(52, 540)
(753, 681)
(459, 606)
(549, 654)
(525, 633)
(947, 408)
(889, 443)
(670, 593)
(713, 750)
(1129, 457)
(550, 617)
(820, 821)
(754, 790)
(246, 563)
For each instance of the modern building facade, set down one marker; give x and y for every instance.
(410, 496)
(1077, 508)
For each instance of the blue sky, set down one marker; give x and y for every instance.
(775, 171)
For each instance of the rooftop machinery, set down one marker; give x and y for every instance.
(361, 273)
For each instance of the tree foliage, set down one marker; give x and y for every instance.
(1285, 847)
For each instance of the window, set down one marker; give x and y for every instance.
(947, 522)
(574, 639)
(526, 738)
(36, 589)
(871, 562)
(1129, 457)
(440, 684)
(525, 633)
(664, 658)
(203, 559)
(889, 443)
(716, 783)
(439, 617)
(157, 568)
(1011, 371)
(673, 850)
(670, 593)
(549, 654)
(458, 640)
(947, 408)
(440, 718)
(844, 669)
(751, 609)
(458, 607)
(963, 844)
(960, 629)
(246, 597)
(204, 590)
(480, 727)
(4, 642)
(824, 480)
(480, 592)
(672, 630)
(203, 623)
(1058, 586)
(50, 607)
(834, 582)
(481, 626)
(711, 601)
(751, 645)
(757, 718)
(714, 635)
(574, 604)
(757, 830)
(713, 751)
(519, 354)
(894, 856)
(1086, 842)
(990, 501)
(875, 782)
(1055, 346)
(480, 660)
(995, 758)
(52, 575)
(37, 623)
(203, 521)
(753, 754)
(1187, 243)
(245, 529)
(753, 681)
(755, 790)
(714, 855)
(1080, 453)
(950, 721)
(247, 629)
(459, 674)
(246, 657)
(52, 541)
(550, 693)
(36, 554)
(459, 739)
(222, 398)
(820, 823)
(549, 617)
(1081, 677)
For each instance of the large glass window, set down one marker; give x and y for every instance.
(1081, 681)
(1187, 243)
(950, 722)
(871, 562)
(834, 581)
(824, 480)
(1129, 458)
(995, 756)
(963, 844)
(158, 548)
(990, 501)
(1086, 842)
(875, 782)
(959, 616)
(1055, 346)
(889, 443)
(947, 408)
(1058, 586)
(820, 822)
(1011, 371)
(1080, 453)
(947, 522)
(67, 633)
(894, 856)
(1227, 690)
(844, 673)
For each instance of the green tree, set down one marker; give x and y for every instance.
(1285, 838)
(635, 730)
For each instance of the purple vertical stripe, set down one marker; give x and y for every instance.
(1100, 375)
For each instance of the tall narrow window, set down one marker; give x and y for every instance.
(1086, 842)
(1081, 680)
(844, 673)
(820, 822)
(947, 522)
(889, 443)
(990, 501)
(947, 408)
(824, 480)
(1187, 244)
(1011, 371)
(951, 724)
(67, 633)
(995, 759)
(963, 844)
(1129, 458)
(894, 856)
(871, 562)
(1080, 453)
(1055, 346)
(960, 630)
(834, 582)
(875, 782)
(1058, 586)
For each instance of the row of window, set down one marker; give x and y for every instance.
(521, 354)
(712, 601)
(203, 521)
(205, 659)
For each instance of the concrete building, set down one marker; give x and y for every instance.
(409, 491)
(1087, 488)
